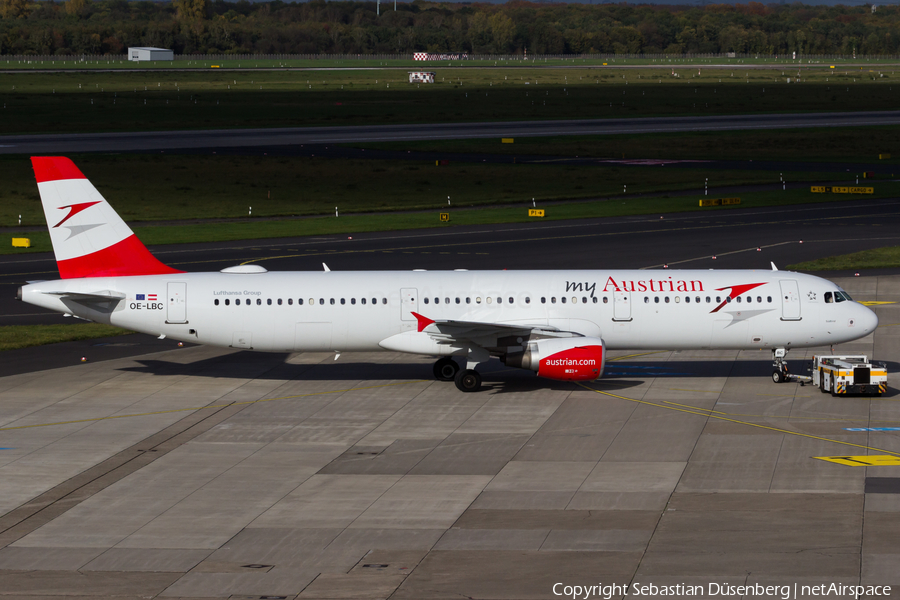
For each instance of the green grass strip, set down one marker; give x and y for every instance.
(23, 336)
(879, 258)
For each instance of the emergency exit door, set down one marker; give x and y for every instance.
(176, 302)
(790, 300)
(409, 303)
(621, 306)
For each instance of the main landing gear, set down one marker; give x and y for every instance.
(445, 369)
(466, 380)
(780, 372)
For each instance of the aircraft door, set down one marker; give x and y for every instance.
(790, 300)
(176, 298)
(409, 303)
(621, 306)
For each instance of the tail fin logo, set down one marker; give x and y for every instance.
(74, 209)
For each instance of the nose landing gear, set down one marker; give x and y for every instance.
(780, 372)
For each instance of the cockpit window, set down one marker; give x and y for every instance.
(828, 298)
(842, 296)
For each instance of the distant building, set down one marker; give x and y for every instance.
(150, 54)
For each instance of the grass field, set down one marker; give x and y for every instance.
(177, 187)
(132, 101)
(183, 63)
(259, 229)
(23, 336)
(879, 258)
(859, 144)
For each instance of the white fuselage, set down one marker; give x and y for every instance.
(358, 311)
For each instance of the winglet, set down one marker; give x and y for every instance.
(774, 268)
(327, 270)
(423, 321)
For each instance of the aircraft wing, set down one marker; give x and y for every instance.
(449, 331)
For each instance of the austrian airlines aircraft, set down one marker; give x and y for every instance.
(560, 324)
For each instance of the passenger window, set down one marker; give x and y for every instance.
(279, 302)
(646, 299)
(446, 300)
(237, 301)
(718, 299)
(697, 299)
(656, 299)
(553, 300)
(667, 299)
(437, 300)
(374, 300)
(738, 299)
(584, 299)
(457, 300)
(488, 300)
(268, 301)
(499, 299)
(384, 300)
(291, 301)
(707, 299)
(769, 299)
(321, 301)
(426, 300)
(511, 300)
(563, 299)
(828, 298)
(687, 299)
(362, 300)
(352, 300)
(595, 299)
(677, 299)
(227, 301)
(543, 300)
(527, 300)
(468, 301)
(759, 299)
(216, 301)
(343, 301)
(605, 300)
(749, 298)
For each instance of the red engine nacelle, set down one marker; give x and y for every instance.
(567, 359)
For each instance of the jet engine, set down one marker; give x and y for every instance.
(566, 359)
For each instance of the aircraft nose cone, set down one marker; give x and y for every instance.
(867, 319)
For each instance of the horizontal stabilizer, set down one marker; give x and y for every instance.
(104, 296)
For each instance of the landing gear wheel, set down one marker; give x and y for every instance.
(468, 380)
(777, 376)
(445, 369)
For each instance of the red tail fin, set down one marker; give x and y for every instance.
(89, 238)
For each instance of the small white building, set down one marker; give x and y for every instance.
(150, 54)
(421, 77)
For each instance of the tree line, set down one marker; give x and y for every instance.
(69, 27)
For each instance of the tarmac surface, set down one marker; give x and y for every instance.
(208, 473)
(55, 144)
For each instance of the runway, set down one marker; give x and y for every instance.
(783, 235)
(208, 473)
(248, 138)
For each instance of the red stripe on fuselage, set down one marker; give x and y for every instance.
(736, 290)
(54, 168)
(128, 257)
